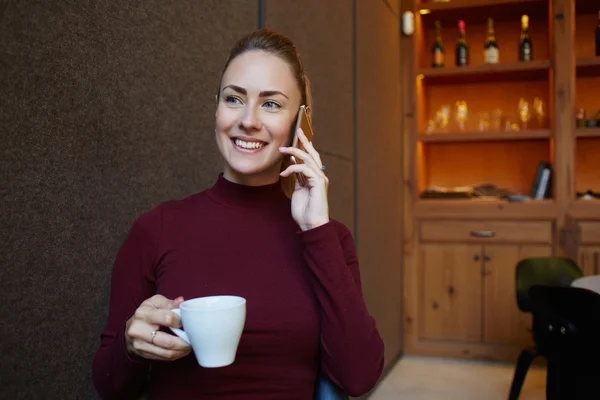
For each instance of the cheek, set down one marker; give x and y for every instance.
(280, 129)
(225, 119)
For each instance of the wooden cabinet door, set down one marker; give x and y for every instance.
(451, 292)
(503, 322)
(589, 259)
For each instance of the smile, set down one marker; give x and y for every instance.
(247, 146)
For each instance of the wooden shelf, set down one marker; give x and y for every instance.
(476, 209)
(533, 70)
(484, 136)
(587, 132)
(588, 66)
(585, 209)
(480, 10)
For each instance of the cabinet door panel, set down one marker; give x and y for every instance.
(504, 323)
(450, 286)
(589, 259)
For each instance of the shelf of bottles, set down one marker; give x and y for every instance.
(516, 108)
(587, 101)
(483, 90)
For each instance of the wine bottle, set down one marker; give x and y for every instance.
(525, 45)
(462, 50)
(437, 51)
(491, 53)
(598, 36)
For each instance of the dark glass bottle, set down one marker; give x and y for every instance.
(491, 53)
(598, 36)
(525, 45)
(437, 50)
(462, 50)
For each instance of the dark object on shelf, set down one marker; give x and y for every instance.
(551, 271)
(588, 195)
(590, 123)
(542, 182)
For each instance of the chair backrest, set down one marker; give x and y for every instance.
(551, 271)
(566, 321)
(326, 390)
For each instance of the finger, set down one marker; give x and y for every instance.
(153, 352)
(160, 301)
(170, 342)
(304, 169)
(310, 148)
(302, 155)
(161, 317)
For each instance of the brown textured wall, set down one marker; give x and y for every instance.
(106, 109)
(379, 166)
(323, 31)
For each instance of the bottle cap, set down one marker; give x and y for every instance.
(461, 25)
(525, 21)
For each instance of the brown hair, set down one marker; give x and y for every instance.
(277, 44)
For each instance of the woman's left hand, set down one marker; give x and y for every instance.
(310, 208)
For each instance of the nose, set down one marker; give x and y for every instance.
(250, 120)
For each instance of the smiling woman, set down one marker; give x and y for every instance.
(257, 234)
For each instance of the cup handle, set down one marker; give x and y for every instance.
(177, 331)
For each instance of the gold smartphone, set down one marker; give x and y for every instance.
(303, 121)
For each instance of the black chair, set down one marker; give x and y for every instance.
(566, 328)
(551, 271)
(325, 389)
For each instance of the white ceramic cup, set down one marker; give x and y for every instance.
(213, 327)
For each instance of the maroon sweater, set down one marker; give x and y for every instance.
(305, 309)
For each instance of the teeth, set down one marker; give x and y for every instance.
(248, 145)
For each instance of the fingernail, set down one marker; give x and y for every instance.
(180, 298)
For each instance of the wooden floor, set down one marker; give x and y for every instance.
(416, 378)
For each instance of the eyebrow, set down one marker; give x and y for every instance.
(265, 93)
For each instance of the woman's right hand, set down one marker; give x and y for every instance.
(142, 335)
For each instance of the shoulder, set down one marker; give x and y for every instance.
(168, 211)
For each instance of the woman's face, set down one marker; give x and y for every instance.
(257, 106)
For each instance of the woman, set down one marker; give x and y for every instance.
(298, 270)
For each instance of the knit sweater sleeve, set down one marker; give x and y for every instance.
(116, 375)
(352, 351)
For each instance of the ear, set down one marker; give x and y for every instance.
(308, 111)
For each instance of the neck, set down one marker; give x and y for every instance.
(259, 179)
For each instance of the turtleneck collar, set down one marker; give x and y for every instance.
(238, 195)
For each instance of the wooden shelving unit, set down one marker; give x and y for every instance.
(461, 254)
(534, 70)
(588, 66)
(588, 133)
(486, 136)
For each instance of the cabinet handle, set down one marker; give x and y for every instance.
(487, 258)
(476, 257)
(483, 233)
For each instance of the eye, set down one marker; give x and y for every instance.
(232, 100)
(271, 105)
